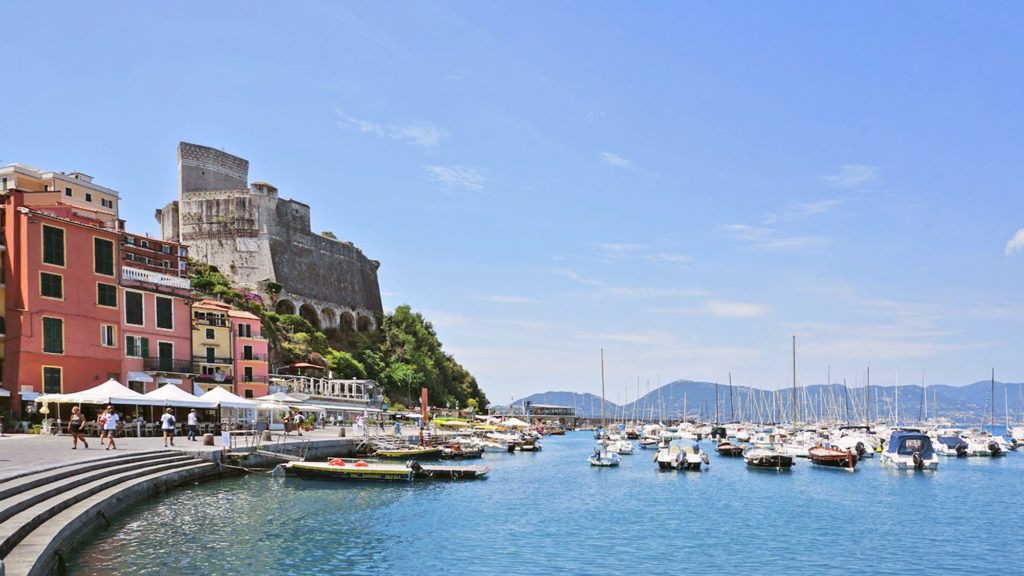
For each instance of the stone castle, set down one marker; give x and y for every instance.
(257, 238)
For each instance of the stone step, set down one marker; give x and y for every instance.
(29, 480)
(15, 528)
(44, 548)
(25, 499)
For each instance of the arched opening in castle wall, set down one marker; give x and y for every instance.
(309, 314)
(328, 319)
(365, 324)
(348, 321)
(285, 307)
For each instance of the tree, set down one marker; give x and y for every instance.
(330, 235)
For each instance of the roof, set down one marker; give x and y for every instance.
(215, 304)
(242, 314)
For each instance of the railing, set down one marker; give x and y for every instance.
(351, 390)
(139, 275)
(208, 360)
(211, 321)
(253, 358)
(156, 364)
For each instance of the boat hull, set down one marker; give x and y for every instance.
(832, 458)
(417, 453)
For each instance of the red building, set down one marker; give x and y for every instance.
(249, 354)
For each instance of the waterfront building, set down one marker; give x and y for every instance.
(249, 351)
(59, 264)
(155, 295)
(212, 360)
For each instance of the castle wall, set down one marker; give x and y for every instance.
(205, 168)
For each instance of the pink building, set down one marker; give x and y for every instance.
(156, 318)
(249, 354)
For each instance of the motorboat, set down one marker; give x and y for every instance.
(833, 457)
(729, 449)
(910, 450)
(604, 458)
(950, 446)
(361, 471)
(623, 446)
(679, 456)
(762, 457)
(417, 452)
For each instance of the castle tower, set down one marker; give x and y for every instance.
(253, 236)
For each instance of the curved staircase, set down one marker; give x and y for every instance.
(44, 513)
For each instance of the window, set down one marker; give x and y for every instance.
(53, 245)
(248, 374)
(164, 313)
(133, 309)
(165, 249)
(182, 252)
(165, 263)
(211, 355)
(245, 331)
(248, 393)
(209, 334)
(103, 255)
(165, 352)
(106, 295)
(4, 186)
(247, 352)
(88, 197)
(51, 285)
(67, 191)
(136, 347)
(53, 335)
(130, 241)
(145, 244)
(51, 380)
(107, 337)
(181, 265)
(107, 203)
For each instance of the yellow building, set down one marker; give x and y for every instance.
(211, 345)
(62, 189)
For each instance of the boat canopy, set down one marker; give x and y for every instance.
(906, 443)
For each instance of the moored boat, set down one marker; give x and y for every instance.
(419, 453)
(729, 449)
(604, 458)
(834, 457)
(361, 471)
(761, 457)
(910, 450)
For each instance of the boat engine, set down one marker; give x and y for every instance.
(994, 448)
(860, 449)
(961, 450)
(414, 466)
(918, 460)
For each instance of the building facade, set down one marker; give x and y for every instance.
(249, 352)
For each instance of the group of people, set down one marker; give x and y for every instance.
(108, 422)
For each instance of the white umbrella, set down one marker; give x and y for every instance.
(171, 395)
(225, 399)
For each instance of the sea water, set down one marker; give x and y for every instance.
(550, 512)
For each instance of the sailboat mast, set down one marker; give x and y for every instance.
(867, 411)
(732, 405)
(794, 384)
(993, 394)
(603, 431)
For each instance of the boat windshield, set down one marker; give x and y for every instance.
(911, 445)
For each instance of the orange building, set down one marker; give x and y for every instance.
(60, 265)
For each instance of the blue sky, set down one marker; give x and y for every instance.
(685, 185)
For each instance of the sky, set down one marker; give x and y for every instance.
(686, 186)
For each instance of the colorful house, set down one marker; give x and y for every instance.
(250, 355)
(212, 351)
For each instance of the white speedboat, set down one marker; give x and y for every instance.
(604, 458)
(910, 450)
(677, 456)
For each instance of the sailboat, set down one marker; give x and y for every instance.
(602, 456)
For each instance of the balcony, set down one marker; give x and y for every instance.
(167, 365)
(252, 358)
(150, 277)
(211, 361)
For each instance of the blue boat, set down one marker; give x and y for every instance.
(910, 450)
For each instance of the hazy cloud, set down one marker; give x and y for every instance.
(727, 309)
(1015, 244)
(418, 133)
(854, 176)
(508, 299)
(769, 238)
(615, 160)
(456, 178)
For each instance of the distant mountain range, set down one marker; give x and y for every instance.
(965, 405)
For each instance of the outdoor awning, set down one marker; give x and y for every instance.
(5, 393)
(134, 376)
(174, 396)
(162, 381)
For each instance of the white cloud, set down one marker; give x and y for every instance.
(1015, 244)
(616, 161)
(457, 178)
(508, 299)
(419, 133)
(727, 309)
(854, 176)
(671, 258)
(770, 238)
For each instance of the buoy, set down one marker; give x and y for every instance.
(362, 464)
(336, 462)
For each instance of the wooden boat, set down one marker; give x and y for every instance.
(834, 457)
(360, 471)
(729, 449)
(419, 453)
(757, 457)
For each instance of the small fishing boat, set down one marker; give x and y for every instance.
(604, 458)
(620, 446)
(729, 449)
(648, 443)
(910, 450)
(417, 452)
(361, 471)
(761, 457)
(834, 457)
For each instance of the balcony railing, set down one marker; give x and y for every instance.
(253, 357)
(208, 360)
(148, 276)
(152, 364)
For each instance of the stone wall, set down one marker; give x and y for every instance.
(205, 168)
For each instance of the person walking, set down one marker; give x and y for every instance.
(110, 424)
(167, 425)
(76, 426)
(193, 424)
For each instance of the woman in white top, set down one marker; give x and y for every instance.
(110, 426)
(167, 425)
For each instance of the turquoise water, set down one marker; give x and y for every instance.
(552, 513)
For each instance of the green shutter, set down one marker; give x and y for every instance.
(145, 347)
(129, 345)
